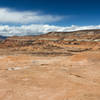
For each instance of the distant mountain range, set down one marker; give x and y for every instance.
(54, 38)
(89, 34)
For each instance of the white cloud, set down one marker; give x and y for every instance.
(35, 29)
(25, 17)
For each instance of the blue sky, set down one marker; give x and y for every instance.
(50, 15)
(78, 12)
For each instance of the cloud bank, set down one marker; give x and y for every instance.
(26, 17)
(36, 29)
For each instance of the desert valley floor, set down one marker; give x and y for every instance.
(64, 69)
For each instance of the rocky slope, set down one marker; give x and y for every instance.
(52, 41)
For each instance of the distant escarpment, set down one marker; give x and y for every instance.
(88, 39)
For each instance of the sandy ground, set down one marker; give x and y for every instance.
(31, 77)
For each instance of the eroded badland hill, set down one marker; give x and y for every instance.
(52, 66)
